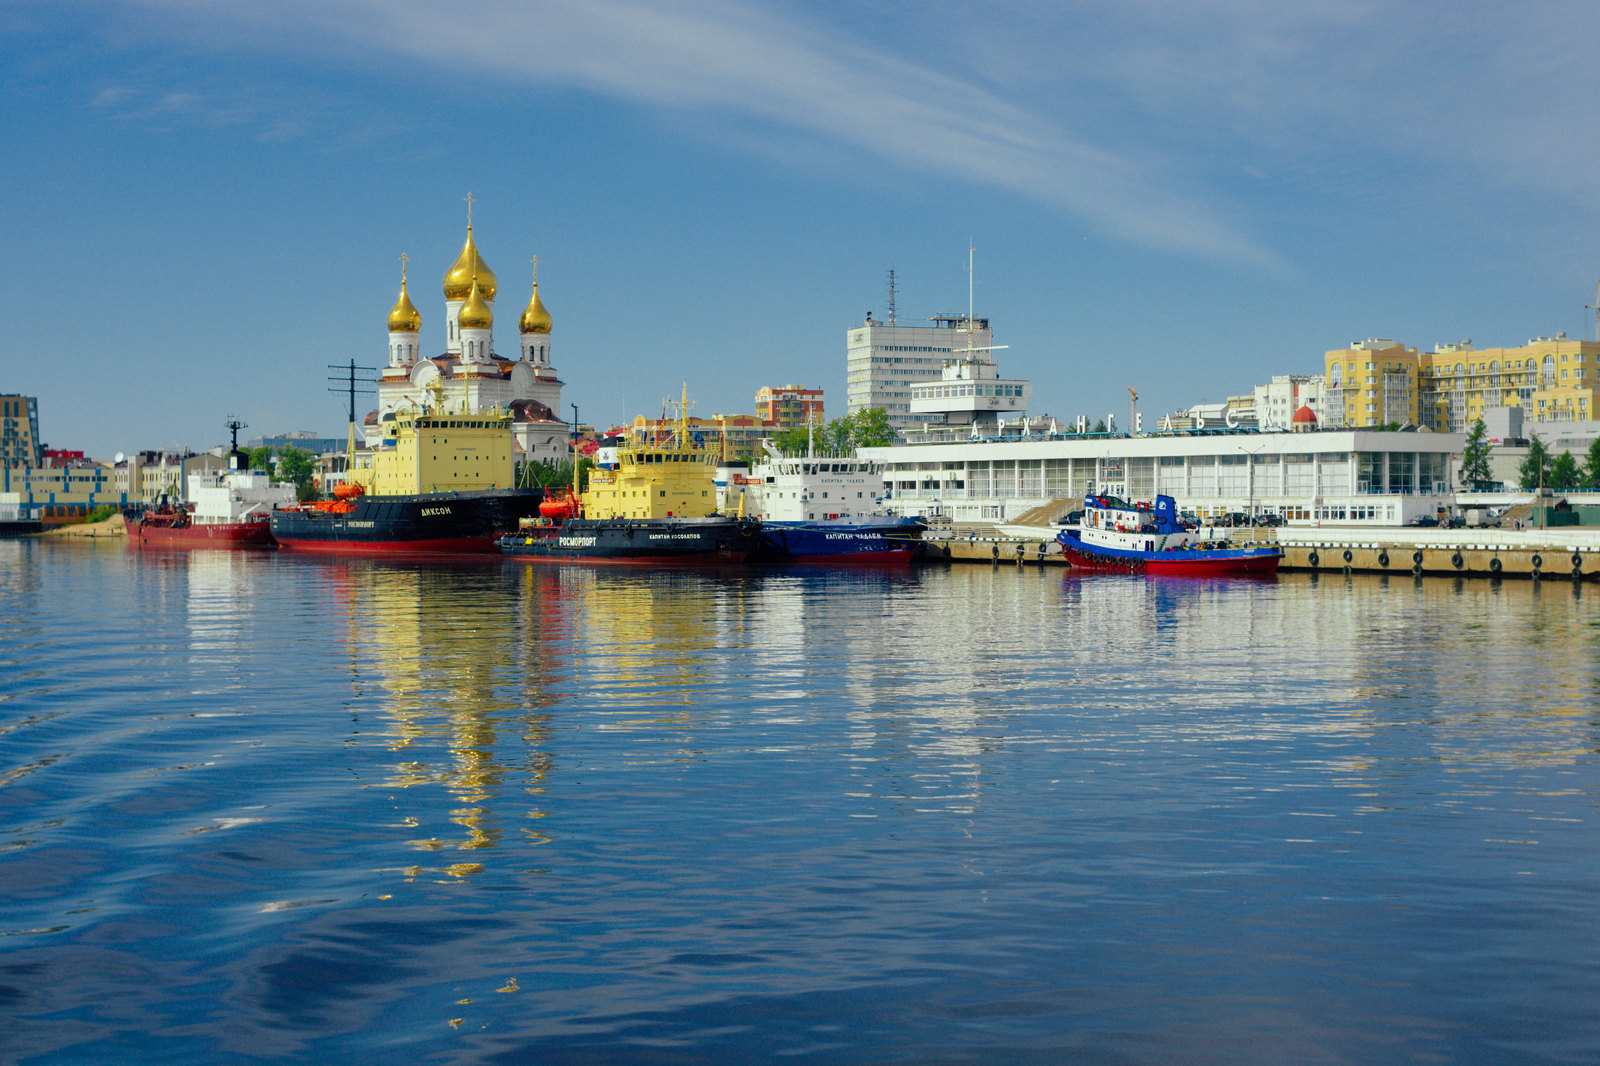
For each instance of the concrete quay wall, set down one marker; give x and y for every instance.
(1564, 554)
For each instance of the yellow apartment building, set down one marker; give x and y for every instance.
(1372, 383)
(1378, 381)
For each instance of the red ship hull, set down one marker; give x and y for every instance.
(445, 545)
(156, 534)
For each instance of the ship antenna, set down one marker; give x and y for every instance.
(234, 426)
(574, 458)
(351, 390)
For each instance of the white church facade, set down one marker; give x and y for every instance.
(473, 376)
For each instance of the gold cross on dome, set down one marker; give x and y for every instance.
(403, 261)
(469, 210)
(536, 270)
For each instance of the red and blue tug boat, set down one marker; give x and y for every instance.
(1140, 538)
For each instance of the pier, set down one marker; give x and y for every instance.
(1565, 554)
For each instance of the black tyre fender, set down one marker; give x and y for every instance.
(1537, 561)
(1416, 556)
(1313, 558)
(1494, 565)
(1383, 558)
(1348, 555)
(1577, 561)
(1457, 561)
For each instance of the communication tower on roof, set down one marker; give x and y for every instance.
(891, 296)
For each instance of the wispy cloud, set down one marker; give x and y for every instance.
(1148, 120)
(787, 71)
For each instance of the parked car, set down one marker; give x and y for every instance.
(1269, 519)
(1231, 519)
(1423, 520)
(1455, 521)
(1071, 518)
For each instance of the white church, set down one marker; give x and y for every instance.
(475, 378)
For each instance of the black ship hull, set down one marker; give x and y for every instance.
(638, 541)
(435, 522)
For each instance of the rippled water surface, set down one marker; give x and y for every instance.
(263, 808)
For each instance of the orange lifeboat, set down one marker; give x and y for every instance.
(558, 508)
(346, 490)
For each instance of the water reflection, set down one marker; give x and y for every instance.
(486, 678)
(457, 659)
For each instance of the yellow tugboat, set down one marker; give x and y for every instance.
(655, 505)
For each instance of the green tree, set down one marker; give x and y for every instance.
(871, 428)
(1475, 458)
(260, 459)
(867, 428)
(1594, 462)
(1099, 427)
(1536, 464)
(297, 466)
(1564, 473)
(794, 440)
(559, 475)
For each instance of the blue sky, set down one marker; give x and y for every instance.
(206, 203)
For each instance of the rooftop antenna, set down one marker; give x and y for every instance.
(970, 249)
(891, 296)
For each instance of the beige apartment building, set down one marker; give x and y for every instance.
(1379, 381)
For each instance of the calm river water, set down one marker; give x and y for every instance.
(258, 807)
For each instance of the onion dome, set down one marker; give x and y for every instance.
(469, 265)
(475, 314)
(1305, 416)
(404, 318)
(535, 319)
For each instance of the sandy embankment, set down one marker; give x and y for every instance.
(111, 527)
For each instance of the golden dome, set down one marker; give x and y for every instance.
(475, 314)
(469, 264)
(535, 319)
(404, 318)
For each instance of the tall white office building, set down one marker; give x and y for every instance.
(884, 359)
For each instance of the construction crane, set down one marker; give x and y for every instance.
(1595, 307)
(1133, 414)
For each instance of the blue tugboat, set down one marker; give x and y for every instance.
(1118, 535)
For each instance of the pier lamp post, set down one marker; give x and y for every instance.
(1250, 472)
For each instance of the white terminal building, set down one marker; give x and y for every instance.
(1343, 476)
